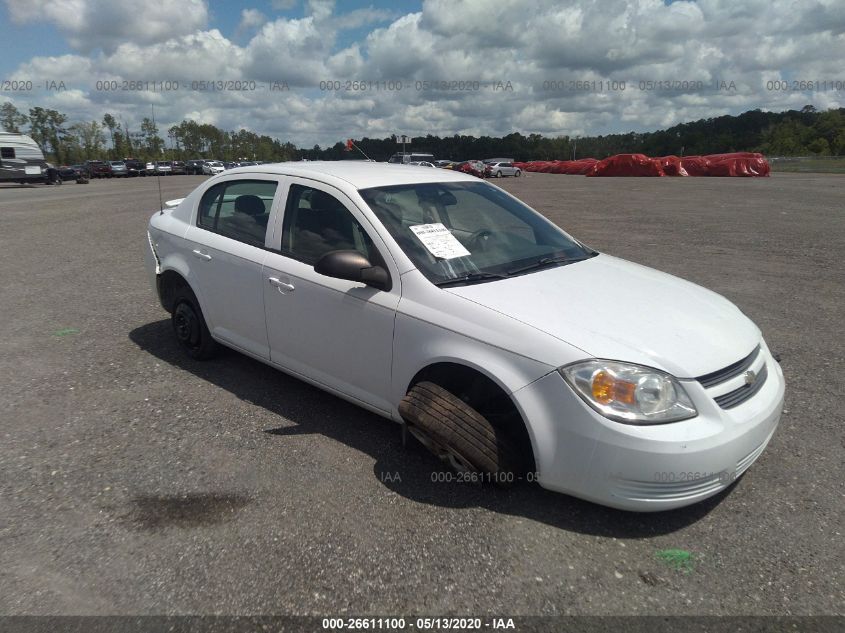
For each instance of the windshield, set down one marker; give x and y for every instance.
(469, 231)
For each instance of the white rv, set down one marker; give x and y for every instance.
(21, 160)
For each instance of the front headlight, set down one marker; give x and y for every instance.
(629, 393)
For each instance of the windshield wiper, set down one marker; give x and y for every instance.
(549, 261)
(471, 278)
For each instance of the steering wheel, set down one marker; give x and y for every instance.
(479, 240)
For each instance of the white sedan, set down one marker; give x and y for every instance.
(508, 347)
(213, 167)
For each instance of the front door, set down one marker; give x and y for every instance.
(336, 332)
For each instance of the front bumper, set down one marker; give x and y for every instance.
(647, 468)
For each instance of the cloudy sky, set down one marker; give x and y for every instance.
(550, 67)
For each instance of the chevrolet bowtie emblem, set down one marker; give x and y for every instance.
(750, 377)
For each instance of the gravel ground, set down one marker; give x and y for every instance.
(136, 481)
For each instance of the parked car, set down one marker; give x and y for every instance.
(194, 167)
(150, 168)
(473, 167)
(410, 157)
(506, 346)
(421, 163)
(98, 168)
(163, 168)
(230, 165)
(70, 172)
(118, 169)
(498, 170)
(177, 168)
(135, 167)
(213, 167)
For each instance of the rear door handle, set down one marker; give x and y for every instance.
(281, 285)
(200, 255)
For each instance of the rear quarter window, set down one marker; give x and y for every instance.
(238, 209)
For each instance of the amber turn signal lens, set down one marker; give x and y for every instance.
(607, 388)
(602, 387)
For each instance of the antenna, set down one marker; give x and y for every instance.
(158, 172)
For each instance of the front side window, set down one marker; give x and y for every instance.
(317, 223)
(469, 230)
(239, 209)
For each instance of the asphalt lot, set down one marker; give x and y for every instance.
(136, 481)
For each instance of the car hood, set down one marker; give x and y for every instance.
(614, 309)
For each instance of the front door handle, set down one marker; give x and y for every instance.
(281, 285)
(200, 255)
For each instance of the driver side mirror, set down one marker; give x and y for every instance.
(353, 266)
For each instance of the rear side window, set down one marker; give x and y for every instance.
(238, 209)
(7, 152)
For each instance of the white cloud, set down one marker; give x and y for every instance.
(288, 50)
(250, 19)
(92, 24)
(205, 55)
(747, 43)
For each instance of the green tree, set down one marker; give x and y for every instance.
(47, 128)
(11, 119)
(151, 140)
(819, 146)
(91, 139)
(111, 124)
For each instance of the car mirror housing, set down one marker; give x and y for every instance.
(353, 266)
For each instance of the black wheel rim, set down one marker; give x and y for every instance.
(187, 326)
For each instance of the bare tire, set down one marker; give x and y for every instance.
(456, 432)
(190, 327)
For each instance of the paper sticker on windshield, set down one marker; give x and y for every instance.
(439, 241)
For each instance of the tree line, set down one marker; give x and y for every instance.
(111, 139)
(805, 132)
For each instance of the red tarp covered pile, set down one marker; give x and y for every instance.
(734, 164)
(671, 166)
(573, 167)
(627, 165)
(737, 164)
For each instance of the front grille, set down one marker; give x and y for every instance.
(738, 396)
(722, 375)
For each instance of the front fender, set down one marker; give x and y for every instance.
(419, 344)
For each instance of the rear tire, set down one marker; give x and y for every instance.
(459, 434)
(517, 174)
(189, 326)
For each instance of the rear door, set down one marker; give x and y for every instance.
(227, 248)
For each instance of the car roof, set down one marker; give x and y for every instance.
(359, 174)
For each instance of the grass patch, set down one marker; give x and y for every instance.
(679, 559)
(809, 165)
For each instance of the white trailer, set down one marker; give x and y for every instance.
(21, 160)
